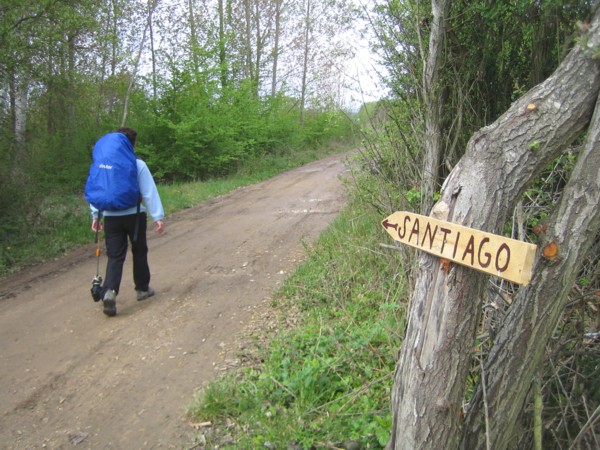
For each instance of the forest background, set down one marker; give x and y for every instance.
(210, 86)
(226, 86)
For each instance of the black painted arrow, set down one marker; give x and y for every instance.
(386, 224)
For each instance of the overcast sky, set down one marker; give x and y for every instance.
(364, 70)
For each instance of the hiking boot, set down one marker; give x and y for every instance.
(143, 295)
(109, 303)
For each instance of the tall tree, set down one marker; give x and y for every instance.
(320, 48)
(259, 39)
(151, 7)
(248, 40)
(113, 32)
(222, 46)
(433, 101)
(19, 91)
(194, 44)
(42, 48)
(306, 51)
(275, 52)
(132, 76)
(17, 26)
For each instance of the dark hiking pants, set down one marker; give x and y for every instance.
(119, 232)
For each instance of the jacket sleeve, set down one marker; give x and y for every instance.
(149, 193)
(94, 212)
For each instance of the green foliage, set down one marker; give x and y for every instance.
(327, 379)
(413, 196)
(541, 196)
(199, 133)
(43, 229)
(503, 45)
(494, 52)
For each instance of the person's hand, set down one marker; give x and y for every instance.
(96, 225)
(159, 226)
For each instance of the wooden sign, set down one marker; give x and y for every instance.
(497, 255)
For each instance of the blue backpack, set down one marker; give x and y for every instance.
(112, 183)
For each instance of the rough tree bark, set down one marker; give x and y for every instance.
(482, 190)
(434, 144)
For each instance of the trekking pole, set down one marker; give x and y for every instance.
(97, 281)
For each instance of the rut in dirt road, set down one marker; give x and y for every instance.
(72, 376)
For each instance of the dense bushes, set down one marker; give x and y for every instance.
(192, 132)
(197, 134)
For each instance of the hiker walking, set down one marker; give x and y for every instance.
(121, 189)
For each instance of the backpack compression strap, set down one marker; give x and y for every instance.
(137, 220)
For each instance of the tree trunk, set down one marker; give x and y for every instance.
(248, 37)
(306, 52)
(152, 49)
(136, 65)
(222, 53)
(19, 102)
(114, 41)
(193, 39)
(500, 162)
(519, 347)
(71, 71)
(434, 144)
(259, 47)
(276, 46)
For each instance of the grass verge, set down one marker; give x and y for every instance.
(323, 382)
(61, 222)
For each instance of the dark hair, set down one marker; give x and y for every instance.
(130, 133)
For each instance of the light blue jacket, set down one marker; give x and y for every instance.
(150, 197)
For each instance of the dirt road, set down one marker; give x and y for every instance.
(70, 376)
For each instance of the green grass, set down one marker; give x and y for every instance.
(61, 222)
(178, 196)
(326, 380)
